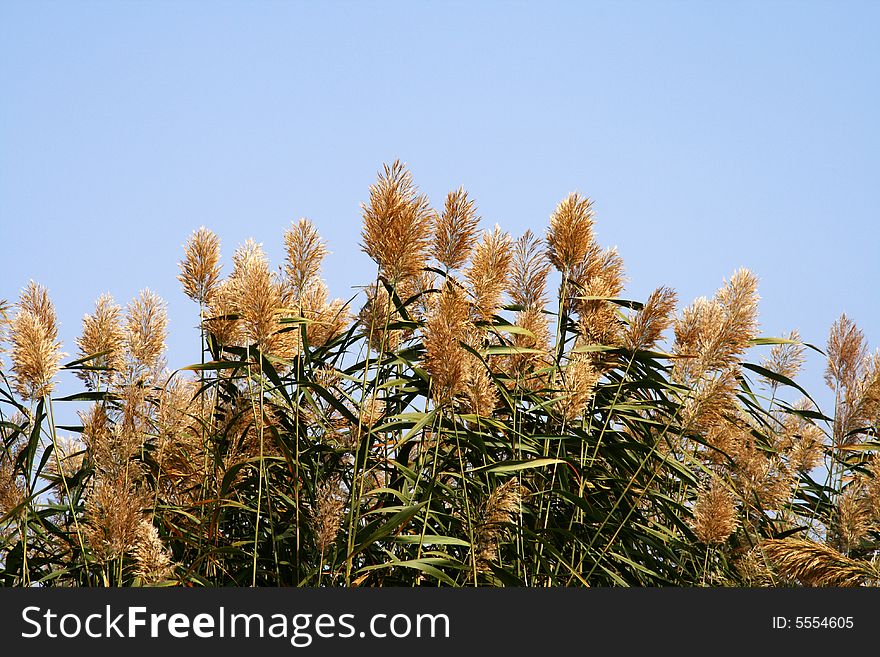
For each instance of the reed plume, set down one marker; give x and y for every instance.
(326, 514)
(113, 512)
(397, 224)
(152, 563)
(600, 275)
(257, 295)
(715, 517)
(200, 267)
(488, 272)
(103, 341)
(223, 321)
(576, 386)
(305, 252)
(815, 564)
(570, 235)
(846, 352)
(446, 327)
(480, 395)
(786, 359)
(377, 315)
(36, 352)
(646, 328)
(500, 508)
(455, 233)
(146, 327)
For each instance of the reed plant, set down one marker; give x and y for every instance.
(456, 423)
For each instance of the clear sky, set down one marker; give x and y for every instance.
(711, 135)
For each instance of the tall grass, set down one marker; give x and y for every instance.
(452, 425)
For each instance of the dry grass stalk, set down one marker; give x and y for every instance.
(397, 224)
(715, 517)
(200, 267)
(815, 564)
(456, 231)
(102, 333)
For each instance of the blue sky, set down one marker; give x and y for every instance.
(710, 135)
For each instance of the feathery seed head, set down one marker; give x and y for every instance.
(397, 224)
(488, 272)
(103, 337)
(146, 327)
(715, 516)
(257, 294)
(529, 270)
(200, 267)
(305, 254)
(455, 232)
(646, 328)
(570, 235)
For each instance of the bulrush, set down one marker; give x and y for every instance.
(36, 351)
(103, 341)
(500, 508)
(714, 513)
(397, 224)
(305, 252)
(200, 267)
(646, 328)
(257, 295)
(455, 233)
(570, 235)
(146, 327)
(488, 271)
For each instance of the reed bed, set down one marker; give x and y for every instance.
(457, 423)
